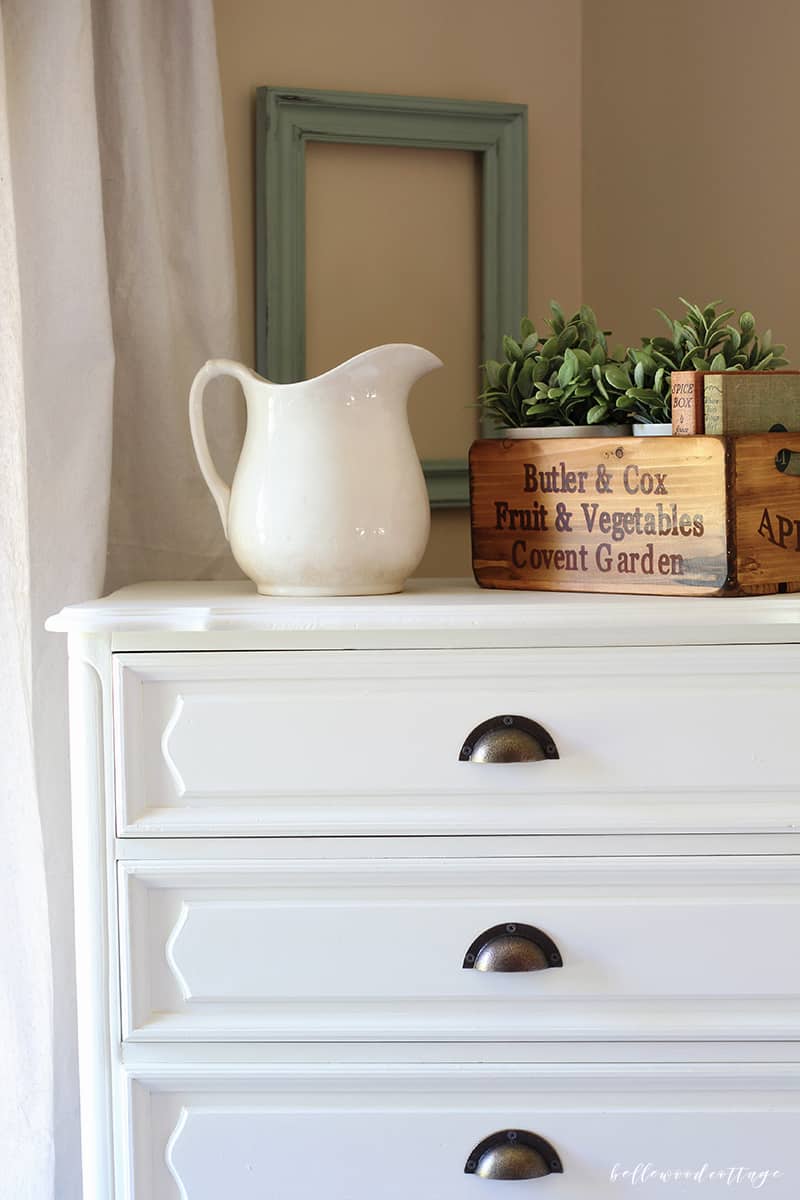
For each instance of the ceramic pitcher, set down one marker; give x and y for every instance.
(328, 498)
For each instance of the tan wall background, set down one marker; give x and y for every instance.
(523, 51)
(662, 163)
(691, 170)
(393, 254)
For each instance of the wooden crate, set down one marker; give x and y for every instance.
(702, 516)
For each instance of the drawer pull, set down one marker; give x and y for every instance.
(512, 947)
(508, 739)
(513, 1154)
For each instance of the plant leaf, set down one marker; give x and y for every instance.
(617, 376)
(647, 394)
(695, 314)
(511, 349)
(525, 379)
(541, 410)
(492, 370)
(587, 316)
(559, 320)
(734, 337)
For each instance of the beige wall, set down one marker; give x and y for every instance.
(691, 168)
(662, 163)
(393, 251)
(524, 51)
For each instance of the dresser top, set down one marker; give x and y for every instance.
(451, 610)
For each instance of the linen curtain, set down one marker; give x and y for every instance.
(116, 282)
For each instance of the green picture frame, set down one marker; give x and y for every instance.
(288, 118)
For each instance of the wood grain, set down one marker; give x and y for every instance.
(606, 515)
(766, 505)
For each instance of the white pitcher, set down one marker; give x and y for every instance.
(328, 498)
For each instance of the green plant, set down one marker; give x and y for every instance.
(641, 387)
(568, 377)
(702, 340)
(560, 379)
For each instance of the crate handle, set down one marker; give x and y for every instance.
(788, 462)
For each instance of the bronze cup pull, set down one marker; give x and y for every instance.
(508, 739)
(512, 947)
(513, 1154)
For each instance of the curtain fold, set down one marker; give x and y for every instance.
(173, 288)
(26, 1143)
(116, 282)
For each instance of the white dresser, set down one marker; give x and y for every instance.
(452, 894)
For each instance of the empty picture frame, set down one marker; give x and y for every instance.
(286, 119)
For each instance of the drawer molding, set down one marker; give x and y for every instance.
(187, 1119)
(169, 729)
(760, 1020)
(727, 809)
(238, 744)
(394, 1078)
(247, 950)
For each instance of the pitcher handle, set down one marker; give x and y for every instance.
(216, 484)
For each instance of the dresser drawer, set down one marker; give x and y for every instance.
(652, 949)
(369, 742)
(392, 1133)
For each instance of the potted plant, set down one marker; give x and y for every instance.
(641, 389)
(702, 340)
(555, 386)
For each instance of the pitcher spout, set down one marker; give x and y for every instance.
(403, 358)
(401, 362)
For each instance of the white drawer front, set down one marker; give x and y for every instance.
(359, 742)
(347, 1134)
(652, 949)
